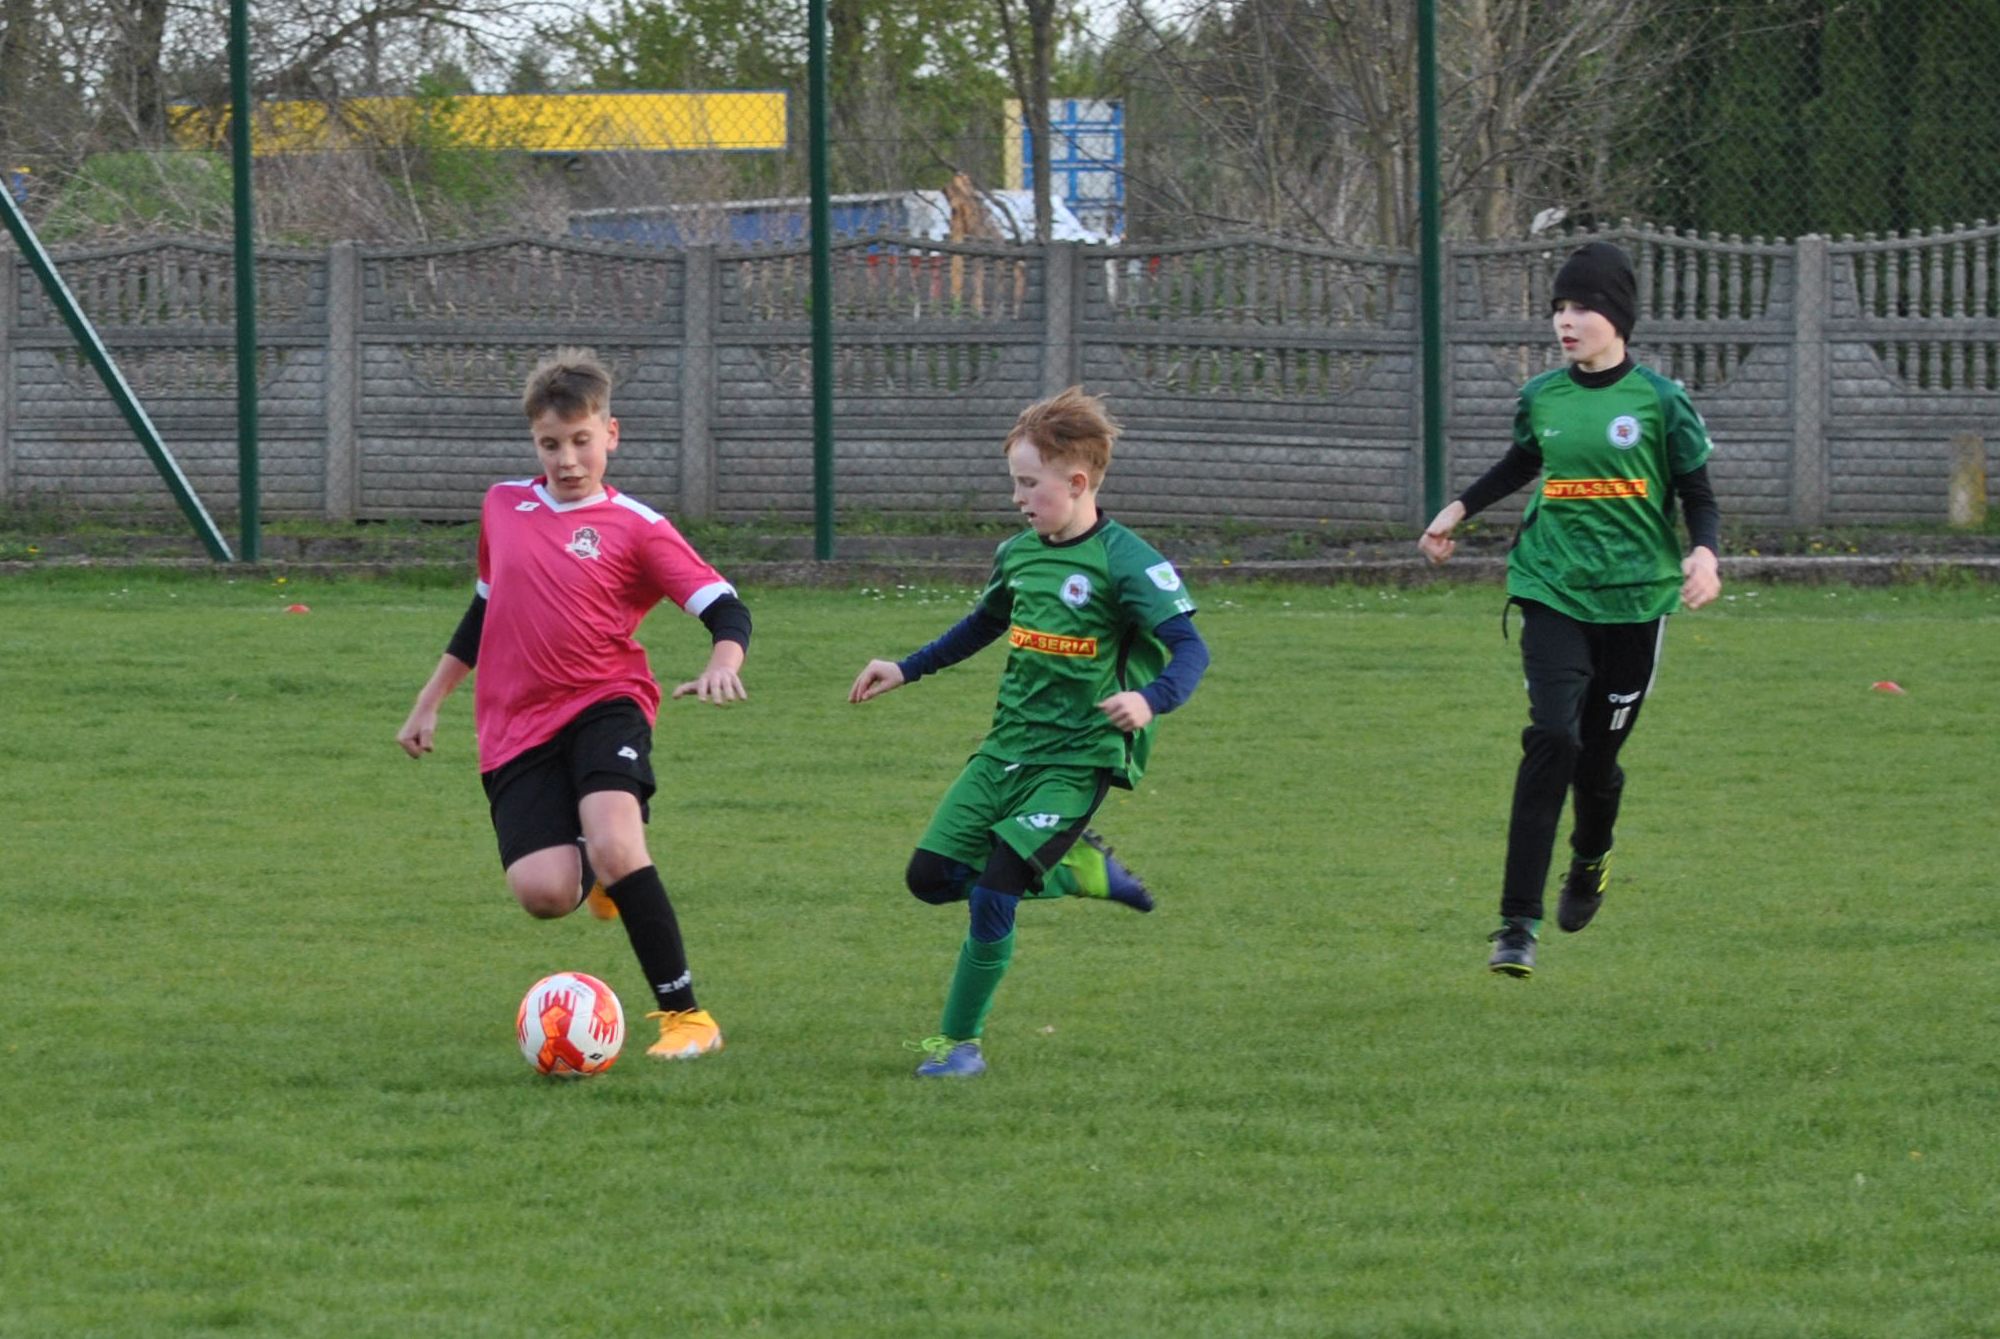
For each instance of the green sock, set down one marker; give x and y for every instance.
(1058, 882)
(980, 967)
(1063, 882)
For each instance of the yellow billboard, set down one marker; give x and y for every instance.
(535, 122)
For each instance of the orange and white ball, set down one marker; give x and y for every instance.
(570, 1025)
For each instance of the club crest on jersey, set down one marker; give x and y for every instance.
(584, 542)
(1076, 590)
(1623, 432)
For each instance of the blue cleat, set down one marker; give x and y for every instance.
(949, 1059)
(1098, 873)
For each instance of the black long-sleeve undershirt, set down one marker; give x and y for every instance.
(1520, 466)
(1704, 518)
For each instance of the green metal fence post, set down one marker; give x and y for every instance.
(822, 286)
(86, 338)
(1431, 247)
(247, 484)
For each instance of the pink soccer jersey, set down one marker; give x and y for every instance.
(566, 585)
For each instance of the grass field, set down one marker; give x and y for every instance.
(259, 972)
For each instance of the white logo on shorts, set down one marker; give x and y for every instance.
(1623, 432)
(1076, 590)
(1165, 577)
(629, 752)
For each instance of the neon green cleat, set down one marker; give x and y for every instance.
(1098, 873)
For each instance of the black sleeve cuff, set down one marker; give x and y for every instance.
(464, 643)
(727, 620)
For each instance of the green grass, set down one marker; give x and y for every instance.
(260, 972)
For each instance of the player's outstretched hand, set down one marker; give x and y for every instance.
(877, 678)
(717, 685)
(1436, 543)
(418, 731)
(1128, 711)
(1704, 581)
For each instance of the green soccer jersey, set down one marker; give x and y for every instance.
(1080, 618)
(1597, 539)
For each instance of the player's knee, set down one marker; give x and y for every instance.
(615, 862)
(1599, 776)
(546, 901)
(1557, 743)
(932, 878)
(992, 914)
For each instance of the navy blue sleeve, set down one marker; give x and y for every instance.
(1187, 661)
(464, 642)
(967, 637)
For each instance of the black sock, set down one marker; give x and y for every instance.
(655, 935)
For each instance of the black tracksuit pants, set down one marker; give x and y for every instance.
(1586, 683)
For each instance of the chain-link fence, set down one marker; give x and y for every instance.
(1231, 258)
(1288, 118)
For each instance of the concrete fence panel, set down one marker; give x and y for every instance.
(1259, 380)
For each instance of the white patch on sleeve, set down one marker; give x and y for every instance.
(1164, 576)
(483, 590)
(637, 507)
(707, 596)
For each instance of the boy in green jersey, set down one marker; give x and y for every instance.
(1100, 646)
(1596, 569)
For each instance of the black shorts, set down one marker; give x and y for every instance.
(534, 796)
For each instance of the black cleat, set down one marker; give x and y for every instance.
(1514, 947)
(1583, 892)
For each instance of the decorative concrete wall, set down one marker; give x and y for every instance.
(1259, 380)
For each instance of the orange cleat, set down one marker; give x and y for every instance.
(685, 1034)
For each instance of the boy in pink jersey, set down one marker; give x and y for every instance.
(565, 702)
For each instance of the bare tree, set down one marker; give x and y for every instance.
(1304, 112)
(1032, 24)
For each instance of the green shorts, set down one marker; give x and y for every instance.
(1036, 809)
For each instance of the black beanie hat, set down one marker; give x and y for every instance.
(1599, 276)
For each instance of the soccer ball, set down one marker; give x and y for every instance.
(570, 1025)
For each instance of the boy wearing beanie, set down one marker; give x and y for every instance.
(1596, 568)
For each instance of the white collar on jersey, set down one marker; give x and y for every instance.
(549, 499)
